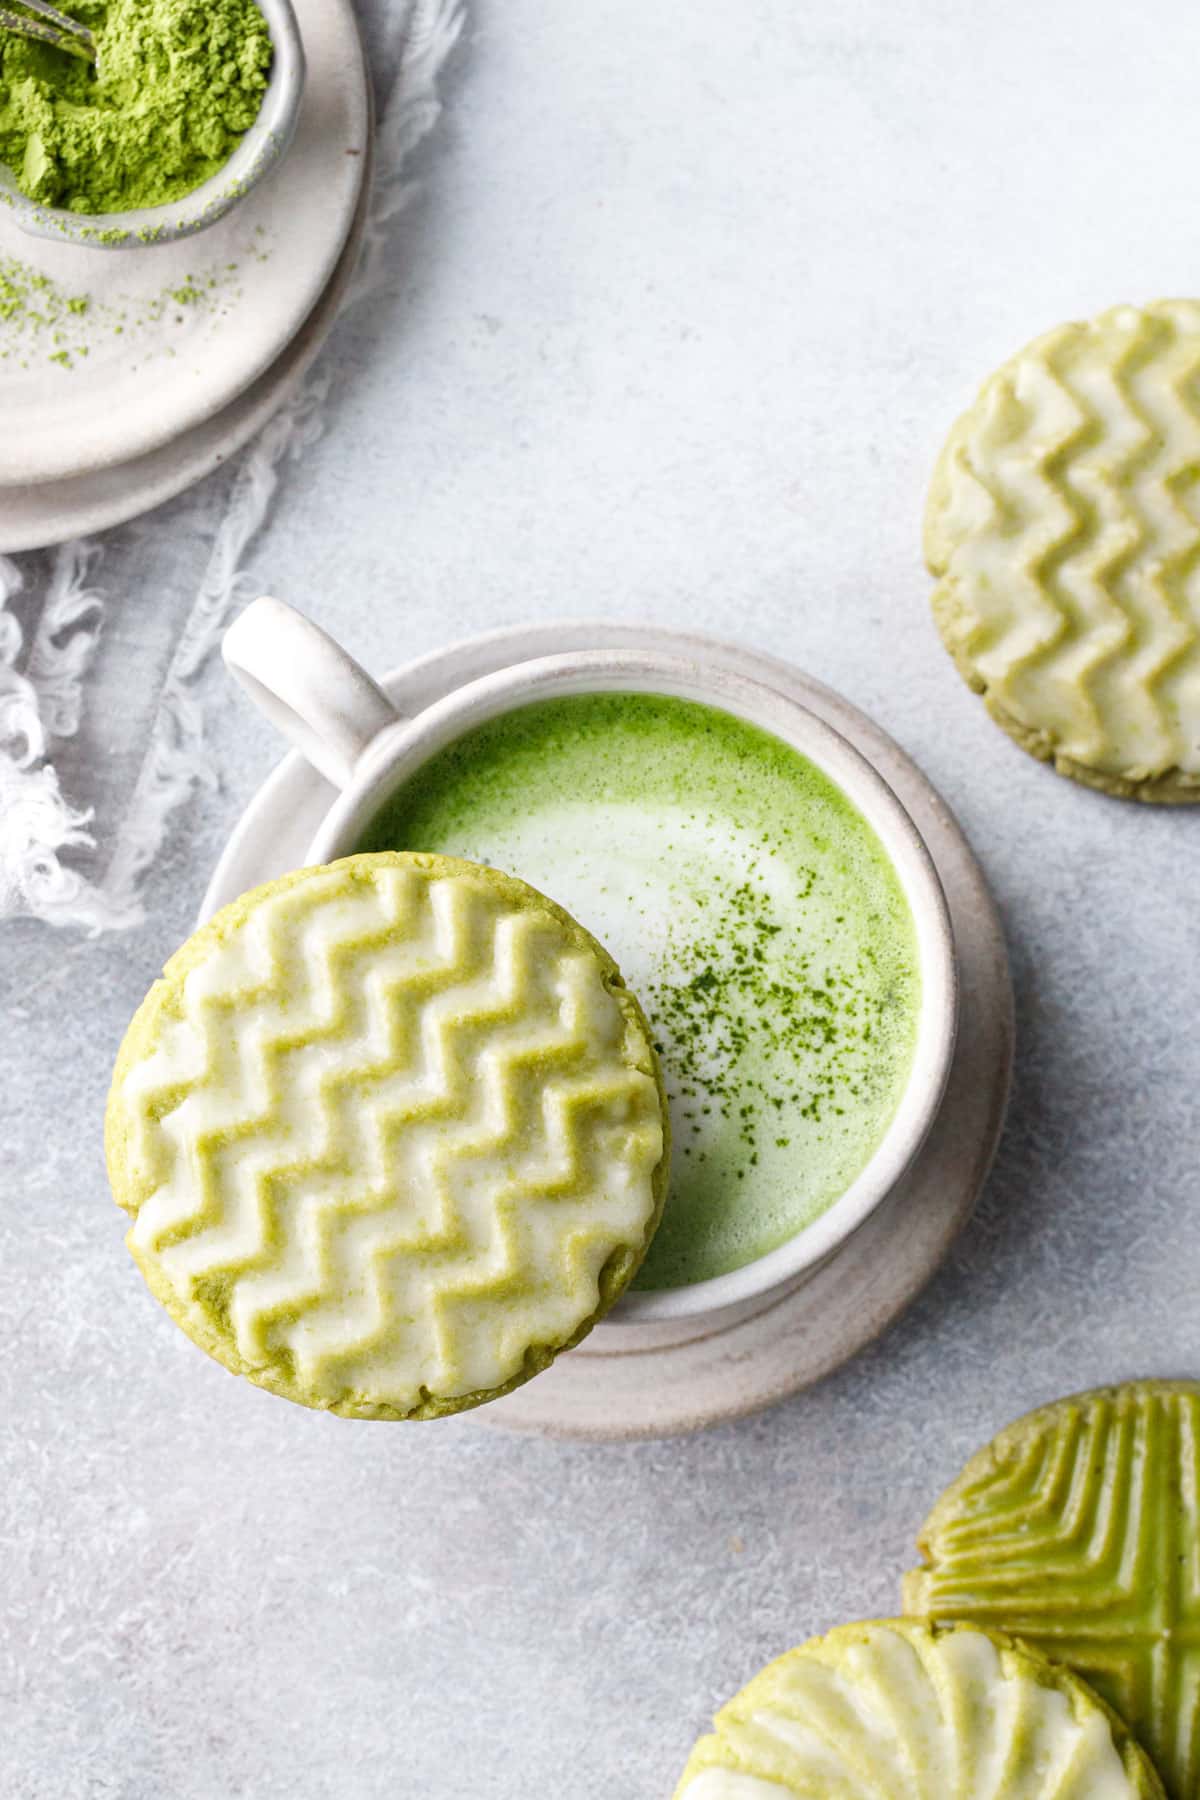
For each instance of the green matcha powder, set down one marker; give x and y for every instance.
(177, 85)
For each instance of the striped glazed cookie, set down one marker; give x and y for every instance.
(916, 1712)
(391, 1134)
(1063, 526)
(1078, 1528)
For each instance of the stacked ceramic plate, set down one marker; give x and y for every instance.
(125, 377)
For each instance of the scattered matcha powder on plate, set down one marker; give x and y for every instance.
(39, 318)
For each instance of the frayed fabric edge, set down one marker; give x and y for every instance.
(37, 707)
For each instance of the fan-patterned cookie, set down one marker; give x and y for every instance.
(900, 1711)
(1078, 1529)
(392, 1134)
(1063, 526)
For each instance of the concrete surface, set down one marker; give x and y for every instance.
(687, 301)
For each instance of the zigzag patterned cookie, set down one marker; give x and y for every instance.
(1078, 1528)
(898, 1711)
(1063, 526)
(392, 1134)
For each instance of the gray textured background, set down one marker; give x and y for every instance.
(688, 299)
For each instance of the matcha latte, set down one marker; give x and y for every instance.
(756, 915)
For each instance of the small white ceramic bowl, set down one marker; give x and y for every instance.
(256, 155)
(347, 727)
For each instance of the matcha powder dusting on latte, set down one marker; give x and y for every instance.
(177, 85)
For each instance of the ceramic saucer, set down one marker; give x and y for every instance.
(167, 336)
(604, 1392)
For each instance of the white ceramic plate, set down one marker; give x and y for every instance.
(32, 518)
(157, 366)
(603, 1392)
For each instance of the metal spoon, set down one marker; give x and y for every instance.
(51, 26)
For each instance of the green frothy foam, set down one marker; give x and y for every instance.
(751, 908)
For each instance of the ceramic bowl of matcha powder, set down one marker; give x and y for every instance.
(189, 104)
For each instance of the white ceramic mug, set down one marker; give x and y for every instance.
(346, 726)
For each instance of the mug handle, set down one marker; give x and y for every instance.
(307, 686)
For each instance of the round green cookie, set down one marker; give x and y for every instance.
(1063, 527)
(916, 1712)
(392, 1134)
(1078, 1529)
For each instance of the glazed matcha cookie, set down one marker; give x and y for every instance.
(916, 1712)
(1077, 1528)
(391, 1133)
(1063, 526)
